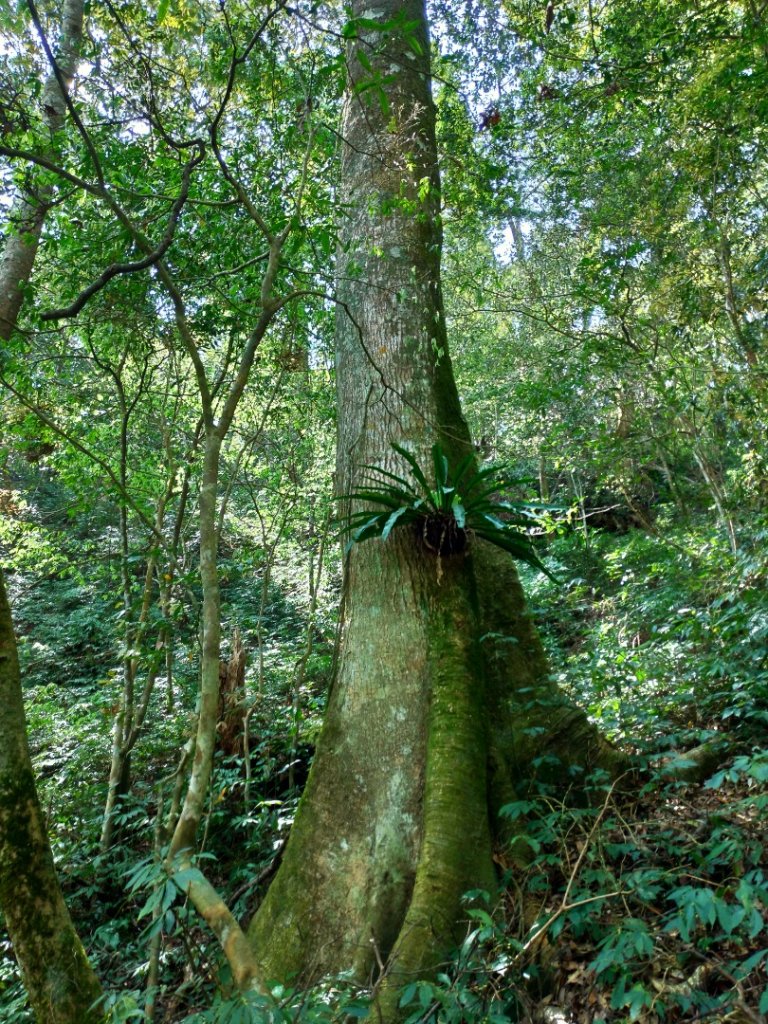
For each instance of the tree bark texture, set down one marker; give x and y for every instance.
(184, 836)
(441, 695)
(61, 985)
(25, 223)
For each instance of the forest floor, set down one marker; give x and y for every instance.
(681, 936)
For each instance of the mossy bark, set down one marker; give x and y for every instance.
(61, 985)
(441, 693)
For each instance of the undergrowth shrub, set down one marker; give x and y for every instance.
(648, 909)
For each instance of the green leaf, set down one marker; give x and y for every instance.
(729, 916)
(517, 809)
(490, 473)
(478, 914)
(415, 467)
(752, 961)
(516, 546)
(391, 476)
(638, 999)
(370, 529)
(461, 469)
(415, 45)
(392, 521)
(440, 463)
(182, 879)
(376, 26)
(408, 994)
(383, 99)
(390, 497)
(490, 488)
(458, 512)
(499, 524)
(357, 1010)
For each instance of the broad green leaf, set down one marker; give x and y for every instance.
(392, 521)
(372, 528)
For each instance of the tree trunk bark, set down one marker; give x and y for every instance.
(59, 981)
(57, 975)
(184, 836)
(25, 223)
(422, 739)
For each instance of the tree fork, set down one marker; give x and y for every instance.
(27, 215)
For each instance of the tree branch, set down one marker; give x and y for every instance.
(149, 260)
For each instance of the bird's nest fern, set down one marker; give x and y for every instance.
(447, 515)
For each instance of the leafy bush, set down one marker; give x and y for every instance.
(651, 909)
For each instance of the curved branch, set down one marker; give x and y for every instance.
(149, 260)
(220, 919)
(236, 186)
(65, 91)
(43, 161)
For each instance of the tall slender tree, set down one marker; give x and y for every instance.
(441, 682)
(60, 982)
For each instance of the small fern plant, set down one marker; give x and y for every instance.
(445, 517)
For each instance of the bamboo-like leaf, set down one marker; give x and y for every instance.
(459, 513)
(360, 518)
(440, 463)
(372, 528)
(489, 488)
(476, 506)
(415, 467)
(392, 521)
(392, 476)
(461, 469)
(497, 523)
(490, 472)
(380, 496)
(518, 546)
(519, 514)
(478, 510)
(446, 496)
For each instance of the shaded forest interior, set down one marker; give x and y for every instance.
(314, 319)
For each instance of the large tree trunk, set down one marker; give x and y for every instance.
(421, 741)
(58, 978)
